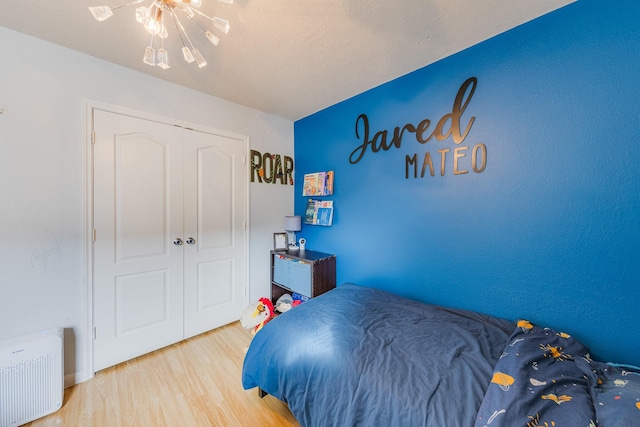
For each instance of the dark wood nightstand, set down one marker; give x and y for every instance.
(307, 273)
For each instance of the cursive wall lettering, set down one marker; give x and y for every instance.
(451, 125)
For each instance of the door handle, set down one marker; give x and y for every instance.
(191, 241)
(178, 242)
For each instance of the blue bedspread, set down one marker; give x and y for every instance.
(358, 356)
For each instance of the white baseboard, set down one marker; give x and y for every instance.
(74, 378)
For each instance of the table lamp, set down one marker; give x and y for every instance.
(292, 224)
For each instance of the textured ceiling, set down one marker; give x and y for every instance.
(289, 58)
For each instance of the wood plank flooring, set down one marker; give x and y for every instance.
(195, 383)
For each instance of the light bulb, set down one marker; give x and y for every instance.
(199, 58)
(163, 59)
(221, 24)
(149, 56)
(212, 38)
(188, 56)
(101, 12)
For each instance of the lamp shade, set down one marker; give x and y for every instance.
(293, 223)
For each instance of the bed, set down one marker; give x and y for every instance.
(358, 356)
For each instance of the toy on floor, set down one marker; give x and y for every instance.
(298, 299)
(257, 315)
(284, 303)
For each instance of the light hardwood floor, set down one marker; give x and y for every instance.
(195, 383)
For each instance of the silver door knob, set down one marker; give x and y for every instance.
(190, 241)
(178, 242)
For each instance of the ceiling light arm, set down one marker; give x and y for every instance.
(176, 22)
(131, 3)
(150, 53)
(100, 13)
(202, 14)
(194, 52)
(208, 34)
(163, 55)
(219, 23)
(191, 17)
(189, 54)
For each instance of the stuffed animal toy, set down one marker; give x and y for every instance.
(257, 315)
(284, 303)
(298, 299)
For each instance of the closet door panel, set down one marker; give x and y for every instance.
(141, 222)
(215, 198)
(219, 273)
(215, 215)
(138, 272)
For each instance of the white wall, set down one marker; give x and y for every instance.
(42, 260)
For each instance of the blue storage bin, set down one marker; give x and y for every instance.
(292, 274)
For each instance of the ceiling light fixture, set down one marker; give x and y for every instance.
(152, 17)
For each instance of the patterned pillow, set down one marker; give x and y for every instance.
(615, 390)
(537, 383)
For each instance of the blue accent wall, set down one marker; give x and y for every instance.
(550, 230)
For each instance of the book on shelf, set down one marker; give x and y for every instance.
(318, 184)
(319, 212)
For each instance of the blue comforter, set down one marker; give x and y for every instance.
(358, 356)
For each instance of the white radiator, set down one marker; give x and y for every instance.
(31, 377)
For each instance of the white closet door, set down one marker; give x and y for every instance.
(214, 224)
(138, 213)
